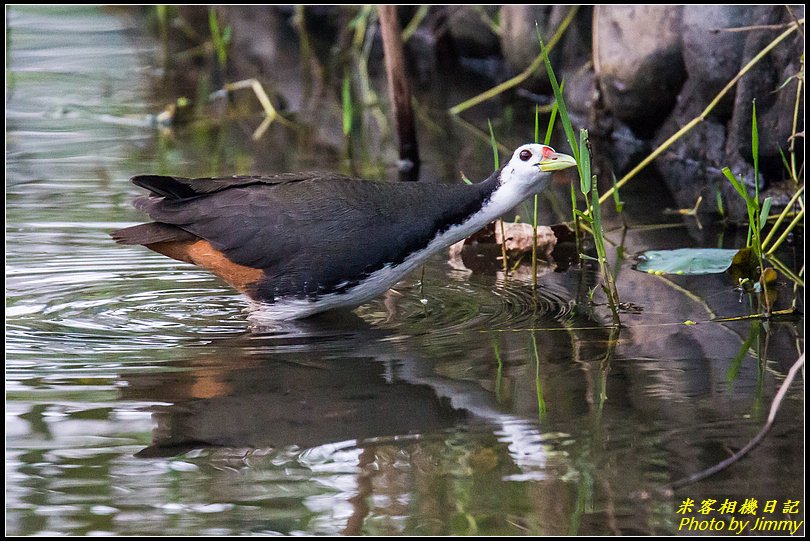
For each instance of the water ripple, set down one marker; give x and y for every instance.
(477, 302)
(95, 293)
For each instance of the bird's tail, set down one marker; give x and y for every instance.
(152, 233)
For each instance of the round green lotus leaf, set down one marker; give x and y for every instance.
(686, 261)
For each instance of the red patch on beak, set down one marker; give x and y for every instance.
(548, 152)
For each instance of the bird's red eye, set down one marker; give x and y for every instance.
(525, 155)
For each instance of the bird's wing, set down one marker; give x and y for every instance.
(312, 236)
(172, 187)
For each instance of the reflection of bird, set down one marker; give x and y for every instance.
(310, 242)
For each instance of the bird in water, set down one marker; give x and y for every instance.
(304, 243)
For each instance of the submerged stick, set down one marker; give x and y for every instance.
(775, 405)
(399, 90)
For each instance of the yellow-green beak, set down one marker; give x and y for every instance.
(556, 162)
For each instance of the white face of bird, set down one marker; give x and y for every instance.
(529, 169)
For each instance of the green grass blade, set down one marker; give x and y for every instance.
(738, 185)
(785, 161)
(595, 212)
(494, 143)
(766, 209)
(755, 147)
(552, 118)
(541, 403)
(588, 218)
(346, 96)
(416, 20)
(566, 120)
(497, 161)
(618, 202)
(719, 198)
(219, 41)
(585, 162)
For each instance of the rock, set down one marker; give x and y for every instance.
(638, 62)
(471, 34)
(518, 33)
(710, 55)
(624, 149)
(774, 105)
(520, 238)
(520, 46)
(581, 95)
(691, 166)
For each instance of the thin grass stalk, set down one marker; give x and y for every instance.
(478, 133)
(784, 235)
(522, 76)
(781, 267)
(546, 141)
(752, 209)
(564, 118)
(569, 134)
(162, 12)
(588, 185)
(360, 23)
(702, 116)
(541, 403)
(755, 147)
(499, 372)
(577, 222)
(503, 248)
(536, 200)
(792, 148)
(785, 212)
(754, 205)
(496, 159)
(414, 23)
(534, 242)
(348, 116)
(219, 38)
(610, 285)
(549, 131)
(362, 40)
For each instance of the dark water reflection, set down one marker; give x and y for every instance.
(140, 400)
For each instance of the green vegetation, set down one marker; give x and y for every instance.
(757, 214)
(756, 254)
(221, 39)
(588, 186)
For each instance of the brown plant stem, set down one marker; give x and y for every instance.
(399, 90)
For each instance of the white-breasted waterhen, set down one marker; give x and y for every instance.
(304, 243)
